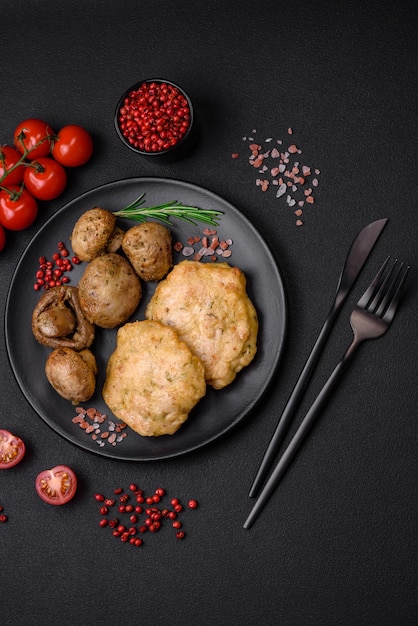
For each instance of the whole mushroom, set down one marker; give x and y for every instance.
(59, 322)
(95, 233)
(72, 374)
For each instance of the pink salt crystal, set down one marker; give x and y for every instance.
(281, 190)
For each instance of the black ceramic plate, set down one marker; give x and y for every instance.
(218, 411)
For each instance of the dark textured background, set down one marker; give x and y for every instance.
(337, 543)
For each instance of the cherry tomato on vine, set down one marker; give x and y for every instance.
(31, 135)
(73, 146)
(18, 208)
(57, 485)
(45, 178)
(9, 157)
(2, 238)
(12, 449)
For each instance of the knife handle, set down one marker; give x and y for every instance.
(300, 435)
(293, 402)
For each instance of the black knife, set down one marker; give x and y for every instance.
(356, 258)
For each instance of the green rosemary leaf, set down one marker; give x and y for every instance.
(165, 212)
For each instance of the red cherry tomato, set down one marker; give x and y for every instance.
(12, 449)
(73, 146)
(18, 209)
(9, 157)
(57, 485)
(2, 238)
(31, 135)
(45, 178)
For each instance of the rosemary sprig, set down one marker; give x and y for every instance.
(164, 212)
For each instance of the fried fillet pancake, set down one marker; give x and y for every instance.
(152, 379)
(209, 308)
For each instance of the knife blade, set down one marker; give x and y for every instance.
(357, 256)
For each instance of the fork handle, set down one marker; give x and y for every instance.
(300, 434)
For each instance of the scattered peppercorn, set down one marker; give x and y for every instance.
(3, 518)
(53, 272)
(154, 515)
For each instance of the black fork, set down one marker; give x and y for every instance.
(370, 319)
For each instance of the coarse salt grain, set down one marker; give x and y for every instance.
(90, 420)
(296, 174)
(209, 246)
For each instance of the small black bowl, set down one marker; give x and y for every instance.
(182, 145)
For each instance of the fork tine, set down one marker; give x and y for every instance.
(373, 288)
(396, 296)
(385, 292)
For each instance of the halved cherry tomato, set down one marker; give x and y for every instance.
(73, 146)
(57, 485)
(9, 157)
(45, 178)
(12, 449)
(32, 134)
(18, 209)
(2, 238)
